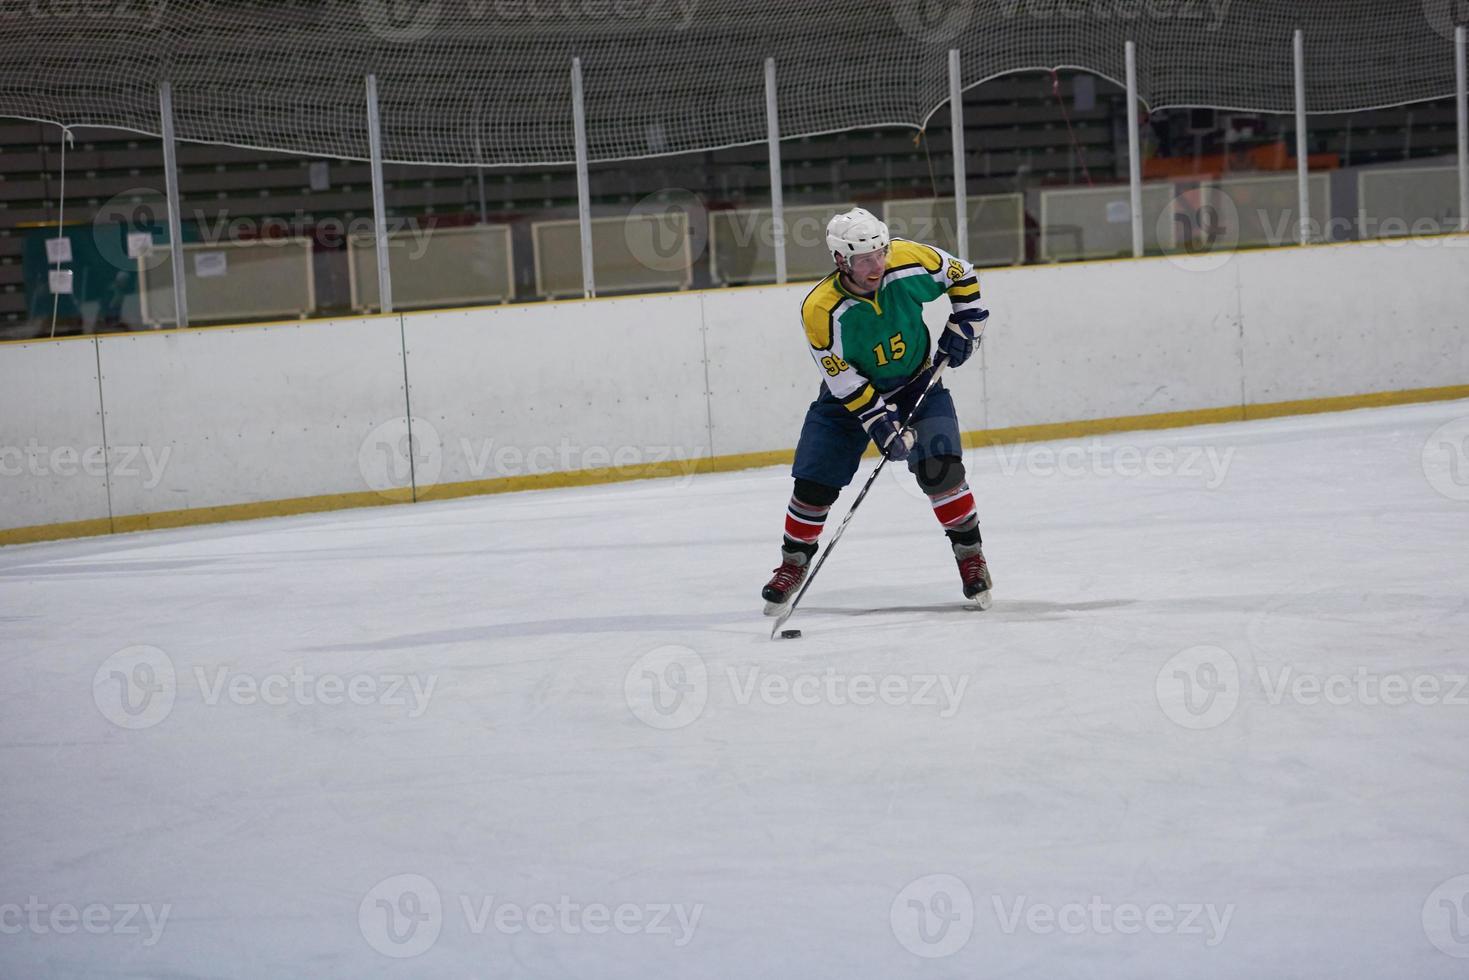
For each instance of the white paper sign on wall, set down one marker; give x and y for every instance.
(211, 265)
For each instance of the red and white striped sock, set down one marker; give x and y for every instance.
(804, 522)
(955, 509)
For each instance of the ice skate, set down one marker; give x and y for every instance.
(787, 579)
(975, 573)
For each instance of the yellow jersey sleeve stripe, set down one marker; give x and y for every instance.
(964, 291)
(863, 398)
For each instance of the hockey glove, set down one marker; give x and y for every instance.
(885, 427)
(961, 336)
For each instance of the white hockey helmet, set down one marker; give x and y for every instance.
(856, 232)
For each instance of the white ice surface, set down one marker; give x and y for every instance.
(1321, 829)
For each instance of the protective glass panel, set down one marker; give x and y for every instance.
(1399, 170)
(1256, 211)
(1394, 201)
(470, 265)
(1096, 222)
(995, 227)
(451, 238)
(742, 243)
(231, 282)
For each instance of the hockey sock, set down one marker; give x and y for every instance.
(803, 525)
(806, 514)
(942, 479)
(956, 512)
(966, 535)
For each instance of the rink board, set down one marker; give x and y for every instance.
(1110, 339)
(1377, 316)
(250, 415)
(51, 440)
(261, 420)
(536, 390)
(761, 377)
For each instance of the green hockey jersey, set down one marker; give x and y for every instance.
(867, 345)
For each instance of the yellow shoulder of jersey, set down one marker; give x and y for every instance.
(904, 252)
(817, 309)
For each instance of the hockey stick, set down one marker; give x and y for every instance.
(780, 621)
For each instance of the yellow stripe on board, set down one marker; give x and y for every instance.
(716, 464)
(53, 532)
(1382, 399)
(249, 512)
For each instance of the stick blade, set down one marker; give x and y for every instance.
(780, 621)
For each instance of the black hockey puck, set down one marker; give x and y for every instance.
(790, 634)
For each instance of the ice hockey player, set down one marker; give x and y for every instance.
(864, 323)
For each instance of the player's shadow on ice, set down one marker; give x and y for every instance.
(491, 632)
(114, 567)
(1020, 607)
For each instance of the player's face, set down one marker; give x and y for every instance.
(866, 269)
